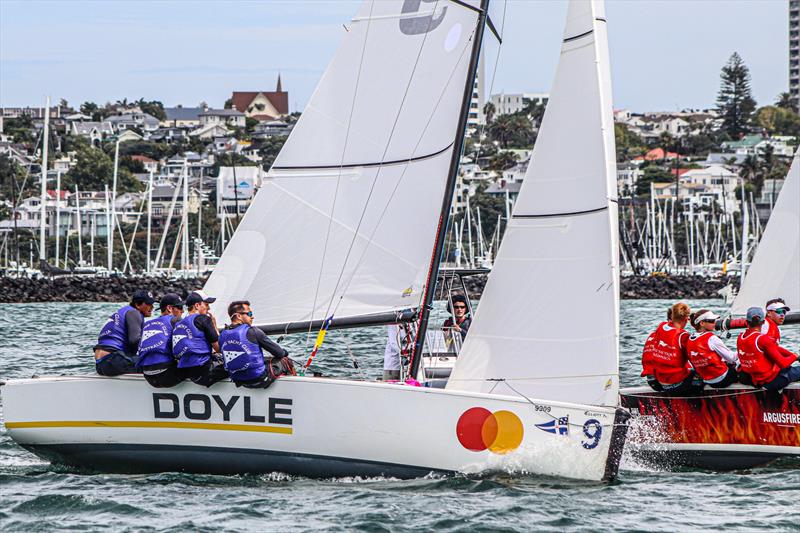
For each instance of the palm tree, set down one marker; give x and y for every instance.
(785, 101)
(488, 111)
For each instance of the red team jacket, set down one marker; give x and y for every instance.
(706, 362)
(664, 355)
(761, 357)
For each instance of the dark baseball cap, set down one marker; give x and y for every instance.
(143, 296)
(196, 297)
(172, 299)
(756, 313)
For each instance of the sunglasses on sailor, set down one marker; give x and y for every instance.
(249, 313)
(459, 307)
(779, 312)
(710, 321)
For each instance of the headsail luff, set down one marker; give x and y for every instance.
(558, 258)
(775, 271)
(343, 221)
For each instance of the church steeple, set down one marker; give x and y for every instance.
(279, 89)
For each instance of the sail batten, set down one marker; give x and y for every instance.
(343, 221)
(558, 256)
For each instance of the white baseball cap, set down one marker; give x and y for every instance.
(777, 305)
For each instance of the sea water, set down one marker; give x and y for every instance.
(56, 338)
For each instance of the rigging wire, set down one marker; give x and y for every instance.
(339, 178)
(404, 170)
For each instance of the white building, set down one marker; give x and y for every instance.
(476, 117)
(223, 117)
(702, 187)
(628, 175)
(506, 104)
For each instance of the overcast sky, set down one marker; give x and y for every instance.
(666, 54)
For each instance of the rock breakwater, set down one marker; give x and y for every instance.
(120, 289)
(89, 289)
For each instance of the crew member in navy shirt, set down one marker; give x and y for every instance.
(242, 348)
(195, 342)
(155, 357)
(115, 351)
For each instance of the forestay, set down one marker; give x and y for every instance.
(547, 323)
(346, 219)
(775, 272)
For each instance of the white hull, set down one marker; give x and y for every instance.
(307, 426)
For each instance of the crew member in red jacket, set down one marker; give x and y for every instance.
(664, 360)
(776, 314)
(709, 356)
(768, 364)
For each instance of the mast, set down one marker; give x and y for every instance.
(45, 143)
(441, 232)
(113, 207)
(149, 220)
(78, 224)
(58, 216)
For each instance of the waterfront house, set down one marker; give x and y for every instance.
(96, 132)
(142, 121)
(224, 117)
(182, 117)
(209, 131)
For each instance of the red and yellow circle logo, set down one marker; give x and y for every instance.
(479, 429)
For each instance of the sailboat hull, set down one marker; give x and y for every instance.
(307, 426)
(726, 429)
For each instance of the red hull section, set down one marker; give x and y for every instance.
(734, 416)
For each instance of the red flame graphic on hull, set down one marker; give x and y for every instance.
(730, 416)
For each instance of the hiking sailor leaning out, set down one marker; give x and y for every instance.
(707, 353)
(776, 313)
(242, 348)
(195, 339)
(768, 364)
(155, 357)
(115, 351)
(665, 362)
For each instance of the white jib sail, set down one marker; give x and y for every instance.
(775, 271)
(547, 324)
(345, 220)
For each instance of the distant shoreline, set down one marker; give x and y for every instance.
(120, 289)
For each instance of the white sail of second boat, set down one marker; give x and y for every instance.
(547, 324)
(775, 271)
(346, 219)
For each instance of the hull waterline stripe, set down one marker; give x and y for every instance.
(147, 424)
(367, 164)
(552, 215)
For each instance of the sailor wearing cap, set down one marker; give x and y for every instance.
(768, 364)
(155, 359)
(776, 314)
(243, 348)
(709, 356)
(195, 339)
(115, 351)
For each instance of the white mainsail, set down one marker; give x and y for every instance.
(775, 271)
(547, 324)
(346, 219)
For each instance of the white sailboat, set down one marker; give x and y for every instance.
(775, 270)
(342, 231)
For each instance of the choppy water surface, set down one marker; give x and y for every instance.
(35, 496)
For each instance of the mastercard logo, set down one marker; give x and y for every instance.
(479, 429)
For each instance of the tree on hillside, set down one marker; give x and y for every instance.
(786, 101)
(778, 120)
(94, 169)
(488, 111)
(153, 108)
(652, 174)
(535, 112)
(20, 129)
(735, 102)
(503, 161)
(628, 143)
(512, 131)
